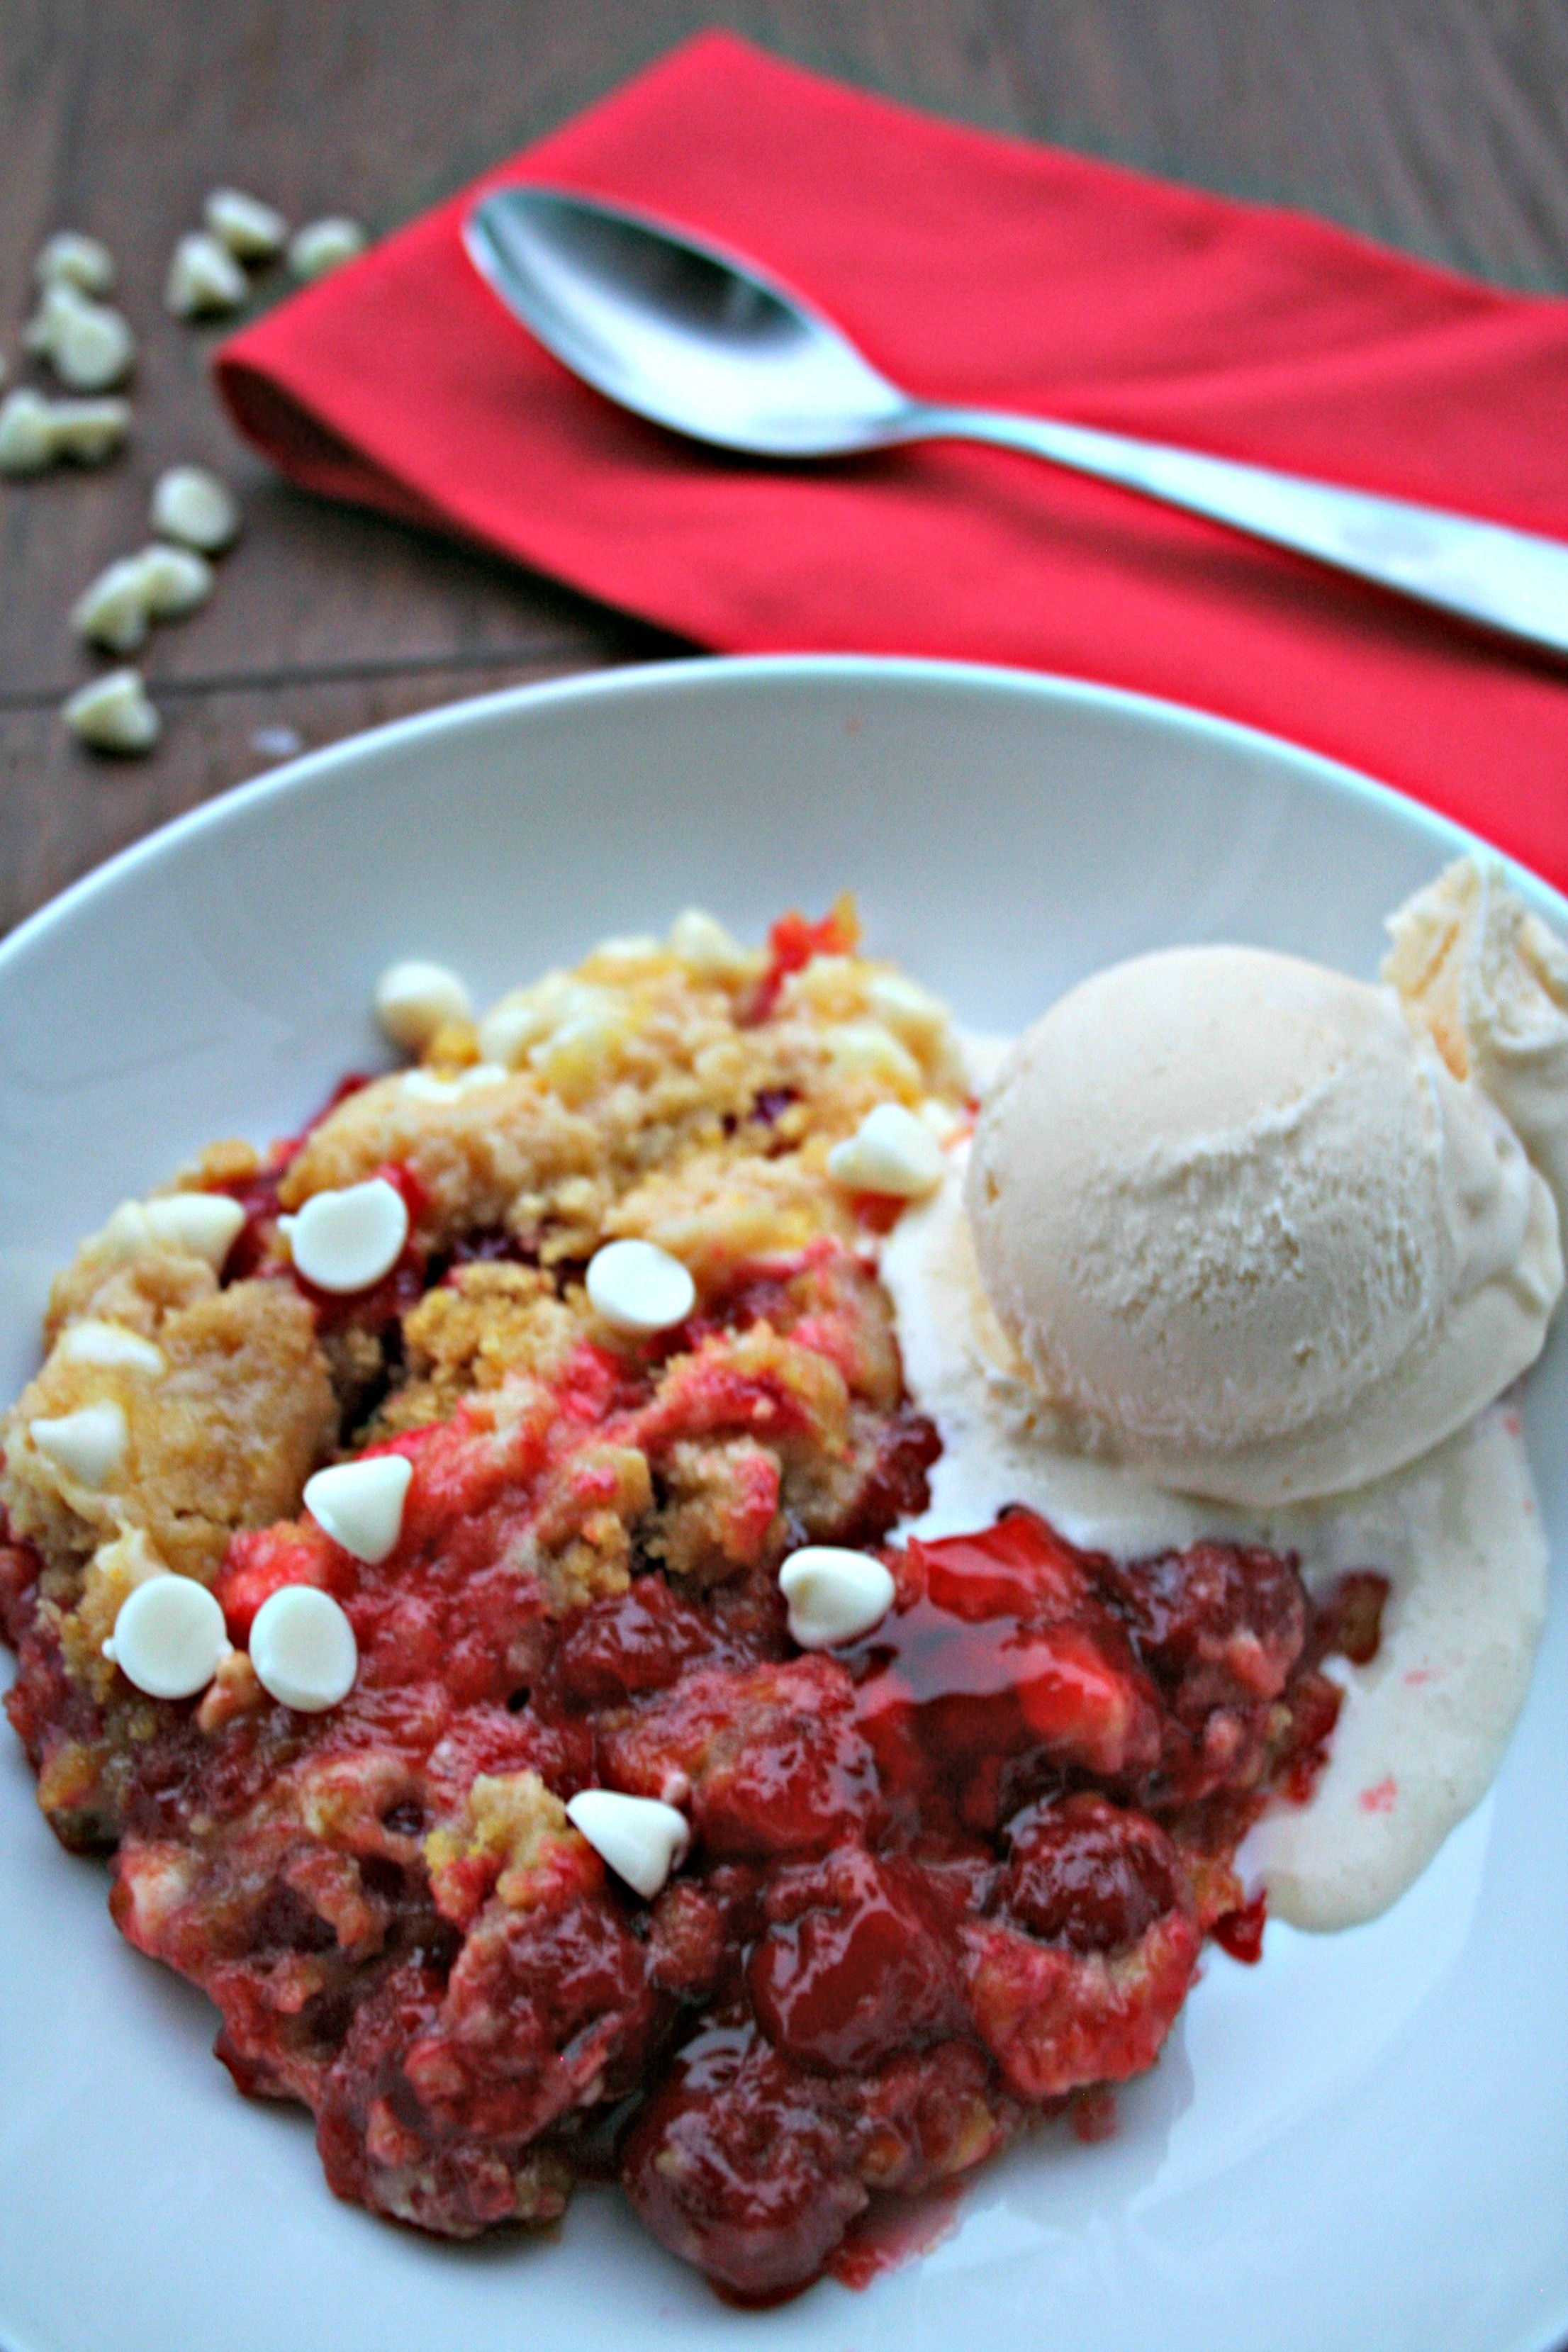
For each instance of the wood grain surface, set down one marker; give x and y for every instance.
(1440, 125)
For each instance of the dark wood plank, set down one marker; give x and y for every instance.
(1439, 124)
(62, 811)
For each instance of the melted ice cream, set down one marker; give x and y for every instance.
(1423, 1726)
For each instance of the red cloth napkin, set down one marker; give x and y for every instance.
(978, 268)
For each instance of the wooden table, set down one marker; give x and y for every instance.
(1440, 125)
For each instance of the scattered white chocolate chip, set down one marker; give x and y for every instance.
(413, 999)
(892, 1150)
(89, 1444)
(88, 430)
(359, 1504)
(636, 1286)
(91, 1342)
(169, 1637)
(324, 245)
(89, 344)
(303, 1649)
(345, 1241)
(175, 579)
(641, 1838)
(112, 713)
(161, 584)
(251, 230)
(834, 1595)
(195, 508)
(27, 441)
(35, 432)
(69, 258)
(426, 1087)
(112, 610)
(700, 943)
(205, 279)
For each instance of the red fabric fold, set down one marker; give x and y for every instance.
(977, 268)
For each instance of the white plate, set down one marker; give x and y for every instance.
(1361, 2144)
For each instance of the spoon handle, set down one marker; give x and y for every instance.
(1509, 579)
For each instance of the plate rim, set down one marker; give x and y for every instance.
(313, 770)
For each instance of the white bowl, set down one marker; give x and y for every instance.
(1361, 2144)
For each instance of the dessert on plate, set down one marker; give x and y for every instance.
(718, 1585)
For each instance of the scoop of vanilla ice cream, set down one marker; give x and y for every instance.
(1249, 1231)
(1489, 981)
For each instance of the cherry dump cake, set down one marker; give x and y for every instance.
(461, 1569)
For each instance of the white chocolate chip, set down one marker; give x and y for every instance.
(413, 999)
(169, 1637)
(641, 1838)
(700, 943)
(510, 1027)
(161, 584)
(834, 1595)
(892, 1150)
(34, 431)
(324, 245)
(69, 258)
(303, 1649)
(113, 610)
(175, 579)
(88, 430)
(91, 1342)
(89, 344)
(638, 1287)
(195, 508)
(28, 441)
(630, 953)
(205, 1224)
(581, 1053)
(525, 1017)
(863, 1049)
(359, 1504)
(112, 713)
(202, 1224)
(909, 1011)
(943, 1121)
(89, 1444)
(251, 230)
(127, 1559)
(205, 279)
(345, 1241)
(424, 1086)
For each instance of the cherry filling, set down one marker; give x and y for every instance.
(1086, 1874)
(946, 1878)
(998, 1646)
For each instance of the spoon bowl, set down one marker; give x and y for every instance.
(680, 332)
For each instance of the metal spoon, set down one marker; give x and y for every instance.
(700, 340)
